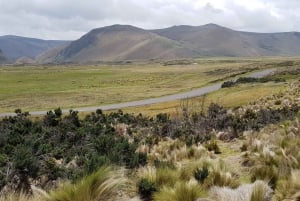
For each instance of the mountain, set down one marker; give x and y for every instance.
(3, 59)
(125, 42)
(15, 47)
(215, 40)
(121, 42)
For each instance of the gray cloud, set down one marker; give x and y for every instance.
(70, 19)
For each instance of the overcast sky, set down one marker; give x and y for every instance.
(70, 19)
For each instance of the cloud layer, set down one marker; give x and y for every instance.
(70, 19)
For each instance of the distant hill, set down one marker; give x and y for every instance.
(3, 59)
(215, 40)
(15, 47)
(125, 42)
(121, 42)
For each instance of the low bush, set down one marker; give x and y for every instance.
(201, 174)
(146, 188)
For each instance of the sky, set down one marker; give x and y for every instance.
(70, 19)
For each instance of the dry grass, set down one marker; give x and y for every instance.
(48, 87)
(258, 191)
(230, 97)
(289, 189)
(20, 197)
(181, 192)
(100, 186)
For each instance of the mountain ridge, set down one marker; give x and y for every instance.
(15, 47)
(3, 58)
(126, 42)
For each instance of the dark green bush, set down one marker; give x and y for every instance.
(201, 174)
(228, 84)
(146, 189)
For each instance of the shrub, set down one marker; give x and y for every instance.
(228, 84)
(201, 174)
(244, 147)
(146, 188)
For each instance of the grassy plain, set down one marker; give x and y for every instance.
(229, 98)
(47, 87)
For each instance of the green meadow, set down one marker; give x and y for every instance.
(66, 86)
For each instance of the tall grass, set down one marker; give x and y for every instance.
(20, 197)
(181, 192)
(258, 191)
(99, 186)
(160, 176)
(261, 192)
(289, 188)
(220, 176)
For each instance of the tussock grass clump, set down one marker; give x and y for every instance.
(159, 176)
(99, 186)
(258, 191)
(154, 179)
(20, 197)
(187, 171)
(175, 151)
(181, 192)
(261, 192)
(290, 188)
(266, 173)
(166, 177)
(212, 145)
(220, 176)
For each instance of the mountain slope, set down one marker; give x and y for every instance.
(125, 42)
(3, 59)
(121, 42)
(15, 47)
(215, 40)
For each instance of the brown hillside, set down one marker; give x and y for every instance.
(122, 42)
(3, 59)
(125, 42)
(214, 40)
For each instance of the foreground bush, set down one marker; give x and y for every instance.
(146, 188)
